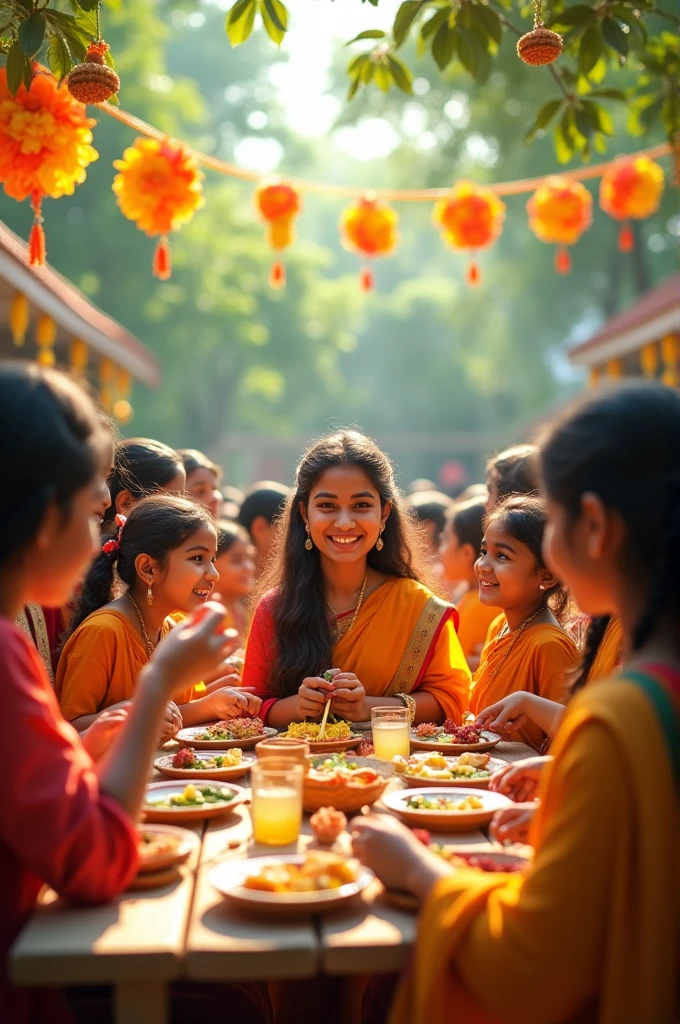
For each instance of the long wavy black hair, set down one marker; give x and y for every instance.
(303, 638)
(623, 444)
(141, 466)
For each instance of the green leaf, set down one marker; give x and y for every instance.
(434, 23)
(543, 117)
(240, 21)
(274, 19)
(609, 94)
(403, 78)
(487, 18)
(602, 119)
(382, 77)
(370, 33)
(354, 67)
(590, 49)
(32, 33)
(113, 100)
(444, 45)
(87, 5)
(614, 36)
(76, 38)
(467, 50)
(564, 140)
(58, 57)
(354, 86)
(406, 15)
(17, 63)
(367, 72)
(573, 17)
(586, 124)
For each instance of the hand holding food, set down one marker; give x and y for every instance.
(395, 855)
(312, 696)
(103, 731)
(171, 723)
(512, 824)
(506, 715)
(348, 696)
(193, 650)
(519, 781)
(231, 701)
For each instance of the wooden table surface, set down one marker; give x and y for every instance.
(143, 940)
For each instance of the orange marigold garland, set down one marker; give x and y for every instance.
(369, 228)
(631, 189)
(278, 203)
(159, 187)
(45, 146)
(560, 210)
(93, 81)
(470, 217)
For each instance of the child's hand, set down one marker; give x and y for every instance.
(231, 679)
(193, 650)
(171, 723)
(506, 715)
(519, 780)
(391, 850)
(512, 824)
(230, 702)
(98, 737)
(312, 696)
(348, 696)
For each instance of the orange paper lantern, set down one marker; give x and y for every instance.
(45, 139)
(560, 210)
(631, 189)
(369, 228)
(278, 203)
(470, 217)
(159, 187)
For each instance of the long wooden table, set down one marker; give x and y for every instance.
(144, 940)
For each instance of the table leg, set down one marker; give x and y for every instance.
(142, 1003)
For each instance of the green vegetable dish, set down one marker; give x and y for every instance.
(194, 796)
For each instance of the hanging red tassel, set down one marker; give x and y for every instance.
(626, 238)
(473, 275)
(366, 279)
(277, 275)
(162, 260)
(562, 261)
(36, 240)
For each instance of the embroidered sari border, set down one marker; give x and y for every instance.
(426, 630)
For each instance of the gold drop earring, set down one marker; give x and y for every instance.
(380, 544)
(308, 542)
(149, 595)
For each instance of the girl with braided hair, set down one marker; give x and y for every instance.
(605, 878)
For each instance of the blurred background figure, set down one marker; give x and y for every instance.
(235, 562)
(141, 466)
(232, 499)
(203, 478)
(422, 484)
(474, 491)
(262, 505)
(513, 471)
(430, 508)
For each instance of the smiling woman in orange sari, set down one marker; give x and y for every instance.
(345, 591)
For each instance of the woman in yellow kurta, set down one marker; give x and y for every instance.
(345, 592)
(526, 647)
(590, 932)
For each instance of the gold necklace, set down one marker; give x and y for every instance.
(150, 648)
(518, 633)
(356, 610)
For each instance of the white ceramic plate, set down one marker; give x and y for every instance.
(414, 781)
(186, 842)
(188, 738)
(164, 766)
(446, 821)
(487, 742)
(176, 815)
(229, 876)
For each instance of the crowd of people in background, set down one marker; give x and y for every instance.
(553, 574)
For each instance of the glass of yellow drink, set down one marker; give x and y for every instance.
(391, 732)
(276, 800)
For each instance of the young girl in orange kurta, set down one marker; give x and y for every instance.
(591, 931)
(460, 547)
(64, 820)
(526, 647)
(164, 557)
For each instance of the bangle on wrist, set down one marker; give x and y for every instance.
(409, 702)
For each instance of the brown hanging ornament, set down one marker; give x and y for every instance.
(93, 81)
(540, 46)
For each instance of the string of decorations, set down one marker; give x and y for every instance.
(45, 149)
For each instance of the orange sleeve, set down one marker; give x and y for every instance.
(85, 670)
(447, 677)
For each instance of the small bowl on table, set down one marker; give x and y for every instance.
(346, 796)
(281, 746)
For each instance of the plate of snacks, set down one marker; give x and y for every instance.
(234, 732)
(339, 736)
(167, 802)
(162, 846)
(187, 763)
(434, 769)
(296, 884)
(450, 738)
(445, 810)
(344, 781)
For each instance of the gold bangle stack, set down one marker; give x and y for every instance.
(409, 702)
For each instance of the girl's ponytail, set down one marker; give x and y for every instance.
(96, 590)
(594, 637)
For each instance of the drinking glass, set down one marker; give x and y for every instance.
(276, 800)
(391, 732)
